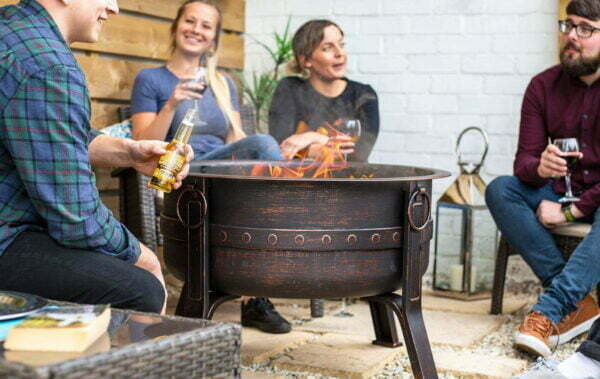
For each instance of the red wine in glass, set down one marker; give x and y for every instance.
(199, 74)
(571, 160)
(571, 147)
(200, 77)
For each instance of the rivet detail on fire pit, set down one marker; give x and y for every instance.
(246, 237)
(223, 235)
(300, 239)
(376, 238)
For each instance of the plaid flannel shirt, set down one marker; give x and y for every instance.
(46, 181)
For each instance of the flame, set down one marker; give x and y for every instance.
(330, 159)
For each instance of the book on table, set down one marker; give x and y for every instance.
(42, 358)
(68, 328)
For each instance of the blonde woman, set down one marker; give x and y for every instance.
(162, 95)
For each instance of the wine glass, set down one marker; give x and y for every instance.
(351, 128)
(570, 146)
(199, 74)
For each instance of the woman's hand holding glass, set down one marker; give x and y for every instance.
(191, 86)
(342, 143)
(297, 142)
(351, 130)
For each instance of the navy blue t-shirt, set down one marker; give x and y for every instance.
(152, 89)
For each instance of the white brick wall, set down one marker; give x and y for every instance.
(437, 65)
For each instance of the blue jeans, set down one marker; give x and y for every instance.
(513, 205)
(257, 146)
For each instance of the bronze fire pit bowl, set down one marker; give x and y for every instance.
(364, 232)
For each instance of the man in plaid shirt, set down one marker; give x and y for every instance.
(57, 239)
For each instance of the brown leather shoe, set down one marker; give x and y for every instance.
(577, 322)
(533, 334)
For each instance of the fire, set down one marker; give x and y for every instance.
(330, 159)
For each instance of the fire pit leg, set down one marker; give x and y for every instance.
(415, 251)
(383, 308)
(382, 315)
(197, 299)
(317, 308)
(188, 307)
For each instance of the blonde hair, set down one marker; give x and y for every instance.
(215, 79)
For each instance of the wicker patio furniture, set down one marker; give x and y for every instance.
(157, 347)
(567, 238)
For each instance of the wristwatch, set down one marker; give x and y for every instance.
(568, 214)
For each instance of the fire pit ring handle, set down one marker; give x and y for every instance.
(195, 196)
(411, 205)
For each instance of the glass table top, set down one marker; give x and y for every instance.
(125, 328)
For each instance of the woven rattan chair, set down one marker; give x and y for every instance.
(567, 238)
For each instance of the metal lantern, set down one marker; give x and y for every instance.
(466, 235)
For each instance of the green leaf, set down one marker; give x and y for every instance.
(262, 86)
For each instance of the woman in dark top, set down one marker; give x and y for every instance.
(326, 98)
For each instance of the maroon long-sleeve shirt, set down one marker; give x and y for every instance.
(557, 105)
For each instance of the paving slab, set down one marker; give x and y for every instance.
(247, 374)
(460, 329)
(258, 347)
(511, 304)
(228, 312)
(472, 365)
(441, 327)
(342, 355)
(359, 324)
(329, 305)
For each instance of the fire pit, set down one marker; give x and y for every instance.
(364, 232)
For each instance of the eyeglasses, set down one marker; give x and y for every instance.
(583, 31)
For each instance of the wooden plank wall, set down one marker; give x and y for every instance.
(136, 38)
(562, 6)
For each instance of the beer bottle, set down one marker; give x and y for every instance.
(172, 161)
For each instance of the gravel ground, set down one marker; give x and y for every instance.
(498, 343)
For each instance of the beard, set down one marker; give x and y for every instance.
(580, 66)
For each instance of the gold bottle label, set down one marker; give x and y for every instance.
(169, 165)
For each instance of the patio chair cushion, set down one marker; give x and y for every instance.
(121, 129)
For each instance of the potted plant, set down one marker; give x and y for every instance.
(259, 89)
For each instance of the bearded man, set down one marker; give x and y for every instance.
(561, 102)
